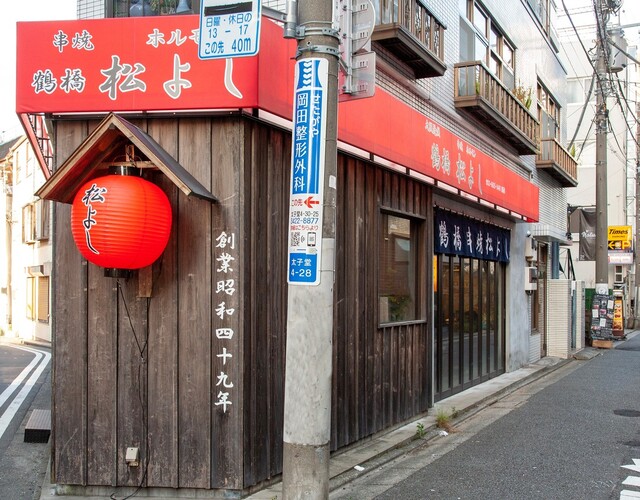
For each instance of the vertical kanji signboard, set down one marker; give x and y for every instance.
(307, 170)
(229, 29)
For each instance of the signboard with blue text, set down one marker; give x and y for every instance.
(307, 171)
(229, 28)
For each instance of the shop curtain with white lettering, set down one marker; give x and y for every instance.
(460, 235)
(587, 248)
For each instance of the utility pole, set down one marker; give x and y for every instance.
(602, 124)
(307, 404)
(636, 296)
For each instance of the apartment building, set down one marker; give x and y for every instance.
(26, 249)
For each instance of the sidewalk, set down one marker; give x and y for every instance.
(357, 460)
(348, 465)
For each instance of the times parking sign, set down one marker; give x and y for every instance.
(229, 29)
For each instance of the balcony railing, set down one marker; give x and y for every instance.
(407, 29)
(478, 91)
(558, 162)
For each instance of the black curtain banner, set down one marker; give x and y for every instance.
(459, 235)
(587, 249)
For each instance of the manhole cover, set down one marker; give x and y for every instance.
(627, 413)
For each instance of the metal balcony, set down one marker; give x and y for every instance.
(479, 92)
(558, 162)
(408, 30)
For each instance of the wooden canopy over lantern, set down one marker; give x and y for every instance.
(107, 145)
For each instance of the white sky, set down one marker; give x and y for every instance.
(11, 12)
(41, 10)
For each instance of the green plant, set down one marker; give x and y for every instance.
(443, 421)
(420, 430)
(572, 151)
(523, 94)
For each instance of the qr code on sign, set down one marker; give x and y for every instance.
(296, 239)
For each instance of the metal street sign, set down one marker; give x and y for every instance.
(229, 28)
(307, 170)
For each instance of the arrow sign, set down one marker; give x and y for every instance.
(307, 171)
(635, 467)
(310, 202)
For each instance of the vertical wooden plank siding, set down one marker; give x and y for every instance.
(265, 188)
(278, 186)
(132, 379)
(69, 388)
(194, 310)
(102, 368)
(378, 372)
(381, 377)
(163, 335)
(225, 447)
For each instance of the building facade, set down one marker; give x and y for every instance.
(26, 270)
(451, 207)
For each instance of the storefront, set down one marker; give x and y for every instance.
(203, 401)
(469, 296)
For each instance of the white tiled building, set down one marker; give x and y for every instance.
(25, 246)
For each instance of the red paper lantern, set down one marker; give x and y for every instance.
(121, 221)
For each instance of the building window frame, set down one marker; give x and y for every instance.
(122, 8)
(491, 44)
(549, 112)
(399, 290)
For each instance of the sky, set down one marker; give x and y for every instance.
(11, 12)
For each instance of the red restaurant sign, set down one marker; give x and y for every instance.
(151, 64)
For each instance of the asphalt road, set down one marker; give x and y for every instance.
(566, 436)
(24, 385)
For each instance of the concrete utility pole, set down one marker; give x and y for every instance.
(307, 407)
(602, 124)
(636, 303)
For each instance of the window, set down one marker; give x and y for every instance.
(489, 43)
(42, 208)
(38, 298)
(397, 283)
(618, 275)
(28, 224)
(35, 221)
(135, 8)
(31, 298)
(548, 113)
(43, 299)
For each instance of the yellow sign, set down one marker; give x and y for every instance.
(620, 238)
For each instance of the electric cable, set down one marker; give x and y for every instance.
(143, 404)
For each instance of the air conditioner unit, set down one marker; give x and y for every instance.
(530, 279)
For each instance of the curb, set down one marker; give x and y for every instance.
(432, 432)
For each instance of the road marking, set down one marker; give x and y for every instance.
(635, 467)
(13, 407)
(629, 495)
(18, 380)
(632, 481)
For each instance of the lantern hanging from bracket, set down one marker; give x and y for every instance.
(121, 221)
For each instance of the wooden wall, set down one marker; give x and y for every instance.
(382, 375)
(158, 389)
